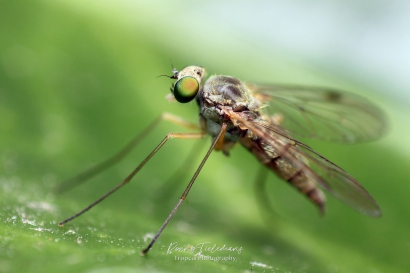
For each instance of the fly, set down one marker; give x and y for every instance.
(263, 119)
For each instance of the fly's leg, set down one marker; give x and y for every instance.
(84, 176)
(217, 142)
(260, 186)
(135, 171)
(262, 198)
(169, 187)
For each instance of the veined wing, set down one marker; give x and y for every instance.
(339, 183)
(322, 113)
(325, 173)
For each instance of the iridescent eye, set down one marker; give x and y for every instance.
(185, 89)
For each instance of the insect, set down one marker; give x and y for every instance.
(264, 119)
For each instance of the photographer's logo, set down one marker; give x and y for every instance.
(204, 251)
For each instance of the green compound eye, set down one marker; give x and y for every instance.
(186, 89)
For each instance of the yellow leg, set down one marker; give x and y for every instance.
(135, 171)
(87, 174)
(188, 188)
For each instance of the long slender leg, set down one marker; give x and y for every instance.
(82, 177)
(135, 171)
(169, 187)
(260, 187)
(218, 139)
(262, 198)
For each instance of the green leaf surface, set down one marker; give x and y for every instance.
(78, 81)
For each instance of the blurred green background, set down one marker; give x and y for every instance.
(79, 79)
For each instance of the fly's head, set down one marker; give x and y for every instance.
(188, 83)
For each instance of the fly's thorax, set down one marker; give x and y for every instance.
(212, 127)
(229, 92)
(220, 93)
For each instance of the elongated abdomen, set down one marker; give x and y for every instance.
(285, 169)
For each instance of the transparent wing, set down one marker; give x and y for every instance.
(325, 173)
(339, 183)
(322, 113)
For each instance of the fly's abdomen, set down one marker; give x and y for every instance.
(285, 169)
